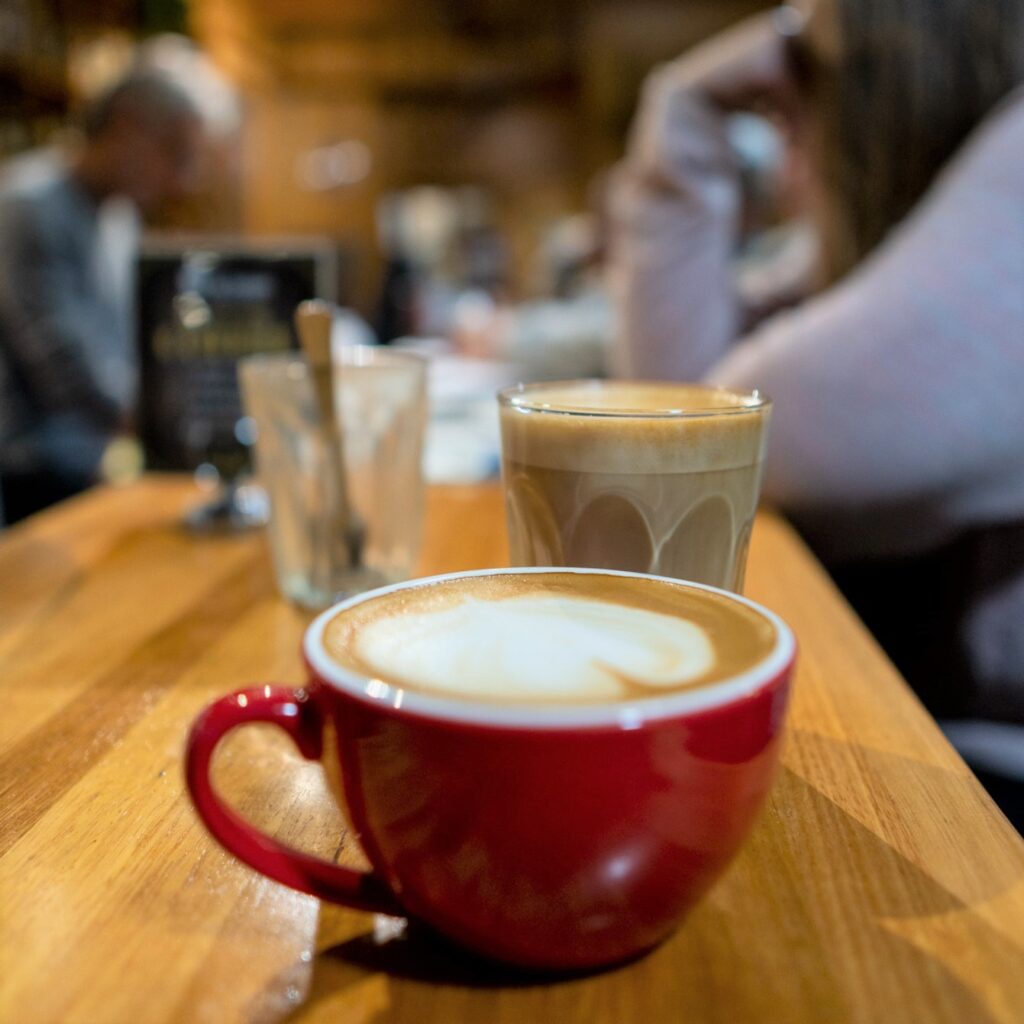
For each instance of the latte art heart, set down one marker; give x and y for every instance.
(537, 647)
(554, 637)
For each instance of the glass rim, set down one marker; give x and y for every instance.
(516, 397)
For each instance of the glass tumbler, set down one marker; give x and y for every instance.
(380, 402)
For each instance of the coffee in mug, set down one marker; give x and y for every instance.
(523, 638)
(549, 766)
(661, 478)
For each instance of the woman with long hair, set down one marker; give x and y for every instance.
(898, 383)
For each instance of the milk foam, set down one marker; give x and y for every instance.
(536, 647)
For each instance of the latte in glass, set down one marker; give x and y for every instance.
(660, 478)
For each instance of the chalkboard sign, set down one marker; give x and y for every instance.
(202, 307)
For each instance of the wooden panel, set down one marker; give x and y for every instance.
(526, 101)
(358, 16)
(391, 47)
(880, 883)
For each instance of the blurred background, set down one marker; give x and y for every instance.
(466, 138)
(437, 167)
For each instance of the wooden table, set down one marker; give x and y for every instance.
(880, 884)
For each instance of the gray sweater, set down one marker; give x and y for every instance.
(898, 422)
(67, 368)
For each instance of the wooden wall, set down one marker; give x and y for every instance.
(528, 99)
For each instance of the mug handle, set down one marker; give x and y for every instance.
(302, 719)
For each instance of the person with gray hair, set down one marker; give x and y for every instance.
(67, 362)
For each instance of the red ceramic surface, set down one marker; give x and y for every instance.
(543, 842)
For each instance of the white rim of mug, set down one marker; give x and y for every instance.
(518, 397)
(620, 714)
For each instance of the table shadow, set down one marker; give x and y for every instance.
(422, 954)
(418, 966)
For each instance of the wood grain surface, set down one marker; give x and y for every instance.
(880, 884)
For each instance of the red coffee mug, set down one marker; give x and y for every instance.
(548, 838)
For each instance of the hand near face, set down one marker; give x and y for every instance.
(749, 66)
(744, 66)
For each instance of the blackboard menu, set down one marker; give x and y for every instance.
(201, 309)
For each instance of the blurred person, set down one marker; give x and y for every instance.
(898, 426)
(67, 362)
(565, 330)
